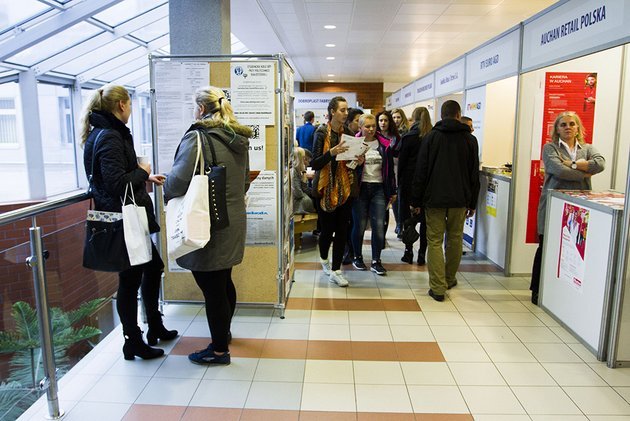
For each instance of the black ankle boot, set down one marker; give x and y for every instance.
(135, 347)
(407, 257)
(158, 331)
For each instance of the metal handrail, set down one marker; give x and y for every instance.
(34, 210)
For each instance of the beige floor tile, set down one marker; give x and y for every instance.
(378, 372)
(427, 373)
(329, 371)
(476, 374)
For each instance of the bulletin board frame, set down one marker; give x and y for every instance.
(262, 279)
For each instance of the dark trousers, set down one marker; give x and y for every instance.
(405, 213)
(147, 278)
(220, 297)
(334, 223)
(537, 266)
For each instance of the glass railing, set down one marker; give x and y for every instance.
(75, 301)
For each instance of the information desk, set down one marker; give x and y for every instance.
(579, 257)
(492, 216)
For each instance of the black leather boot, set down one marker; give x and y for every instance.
(135, 347)
(158, 331)
(408, 256)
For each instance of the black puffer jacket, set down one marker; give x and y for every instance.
(115, 165)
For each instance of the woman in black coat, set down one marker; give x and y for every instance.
(110, 160)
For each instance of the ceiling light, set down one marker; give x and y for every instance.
(330, 45)
(330, 27)
(330, 80)
(331, 75)
(330, 58)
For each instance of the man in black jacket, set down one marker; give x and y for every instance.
(446, 185)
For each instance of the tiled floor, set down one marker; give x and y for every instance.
(378, 350)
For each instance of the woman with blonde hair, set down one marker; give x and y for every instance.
(302, 201)
(421, 125)
(400, 119)
(569, 164)
(111, 165)
(226, 142)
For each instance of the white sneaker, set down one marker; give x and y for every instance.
(338, 278)
(325, 266)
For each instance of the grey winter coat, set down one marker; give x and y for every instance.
(227, 245)
(559, 176)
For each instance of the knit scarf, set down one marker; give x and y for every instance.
(334, 191)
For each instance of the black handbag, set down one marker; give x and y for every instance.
(217, 189)
(104, 248)
(410, 234)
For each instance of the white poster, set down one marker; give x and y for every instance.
(261, 209)
(252, 85)
(257, 152)
(475, 108)
(175, 84)
(572, 267)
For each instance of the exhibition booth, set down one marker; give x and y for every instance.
(571, 57)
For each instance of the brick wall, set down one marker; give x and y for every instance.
(370, 95)
(68, 283)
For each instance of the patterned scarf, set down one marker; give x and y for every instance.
(334, 191)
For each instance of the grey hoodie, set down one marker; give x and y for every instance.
(226, 245)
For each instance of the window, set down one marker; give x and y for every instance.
(65, 122)
(8, 122)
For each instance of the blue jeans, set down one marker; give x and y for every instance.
(371, 202)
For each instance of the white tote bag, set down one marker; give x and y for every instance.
(188, 216)
(136, 230)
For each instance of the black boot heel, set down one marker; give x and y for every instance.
(158, 331)
(135, 347)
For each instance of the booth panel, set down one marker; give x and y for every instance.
(458, 96)
(580, 307)
(623, 151)
(492, 216)
(499, 120)
(607, 65)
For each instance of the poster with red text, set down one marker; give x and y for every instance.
(563, 92)
(571, 267)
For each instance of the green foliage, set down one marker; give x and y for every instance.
(26, 365)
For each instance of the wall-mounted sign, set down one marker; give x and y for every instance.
(388, 103)
(494, 61)
(450, 78)
(320, 100)
(397, 99)
(575, 27)
(424, 88)
(407, 95)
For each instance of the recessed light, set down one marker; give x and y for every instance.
(330, 58)
(330, 27)
(330, 45)
(331, 75)
(330, 80)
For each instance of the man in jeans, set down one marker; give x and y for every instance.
(446, 185)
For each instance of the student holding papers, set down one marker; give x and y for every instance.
(377, 191)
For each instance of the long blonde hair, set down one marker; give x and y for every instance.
(404, 124)
(421, 116)
(216, 105)
(102, 99)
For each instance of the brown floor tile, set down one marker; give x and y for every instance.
(419, 351)
(297, 303)
(330, 304)
(284, 348)
(269, 415)
(327, 416)
(444, 417)
(189, 344)
(246, 348)
(195, 413)
(374, 351)
(382, 416)
(360, 304)
(329, 350)
(406, 267)
(401, 305)
(154, 412)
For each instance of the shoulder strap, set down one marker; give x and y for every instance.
(214, 155)
(98, 136)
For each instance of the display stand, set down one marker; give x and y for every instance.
(260, 89)
(492, 216)
(579, 262)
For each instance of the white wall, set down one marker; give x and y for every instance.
(499, 120)
(607, 64)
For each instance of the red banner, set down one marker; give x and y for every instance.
(563, 92)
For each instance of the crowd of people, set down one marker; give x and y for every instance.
(426, 175)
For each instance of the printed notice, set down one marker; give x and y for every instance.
(175, 84)
(261, 210)
(491, 198)
(252, 86)
(571, 266)
(257, 152)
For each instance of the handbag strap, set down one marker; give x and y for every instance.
(98, 136)
(199, 159)
(133, 197)
(214, 155)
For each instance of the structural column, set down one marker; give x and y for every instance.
(32, 135)
(199, 27)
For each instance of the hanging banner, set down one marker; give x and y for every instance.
(252, 85)
(424, 88)
(260, 201)
(571, 266)
(563, 92)
(407, 95)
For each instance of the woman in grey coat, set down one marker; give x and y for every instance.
(212, 265)
(569, 164)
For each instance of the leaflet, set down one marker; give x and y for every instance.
(356, 145)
